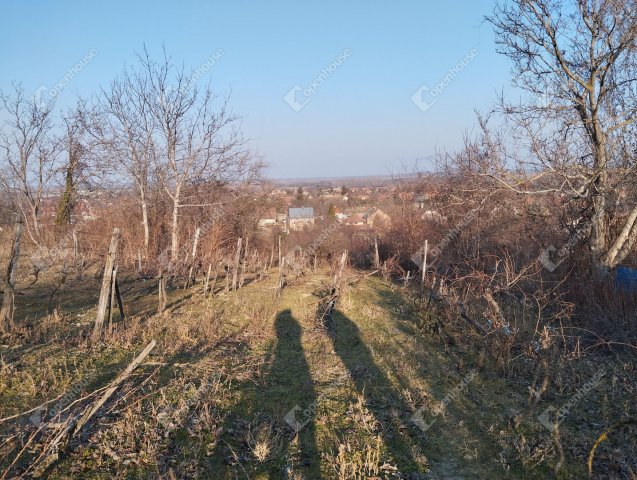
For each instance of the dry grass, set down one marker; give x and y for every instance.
(211, 401)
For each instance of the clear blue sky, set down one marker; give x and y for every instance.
(360, 121)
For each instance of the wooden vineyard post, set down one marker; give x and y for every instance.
(107, 279)
(195, 242)
(281, 284)
(8, 308)
(205, 285)
(237, 259)
(162, 294)
(424, 263)
(280, 255)
(376, 256)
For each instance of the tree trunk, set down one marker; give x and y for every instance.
(599, 225)
(6, 312)
(35, 210)
(624, 241)
(174, 246)
(146, 226)
(195, 242)
(599, 234)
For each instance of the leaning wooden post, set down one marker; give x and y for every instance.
(106, 285)
(8, 308)
(237, 259)
(424, 263)
(88, 413)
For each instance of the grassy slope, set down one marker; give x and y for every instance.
(356, 390)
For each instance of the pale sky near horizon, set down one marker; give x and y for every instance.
(368, 115)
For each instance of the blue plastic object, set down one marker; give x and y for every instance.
(626, 279)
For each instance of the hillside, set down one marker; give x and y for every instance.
(247, 385)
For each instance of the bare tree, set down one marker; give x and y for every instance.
(124, 127)
(578, 58)
(197, 141)
(29, 154)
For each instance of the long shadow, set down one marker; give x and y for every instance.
(385, 403)
(286, 397)
(290, 391)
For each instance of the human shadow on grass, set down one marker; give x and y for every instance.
(285, 397)
(289, 390)
(379, 394)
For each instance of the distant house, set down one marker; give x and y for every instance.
(299, 218)
(371, 219)
(268, 219)
(376, 218)
(356, 219)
